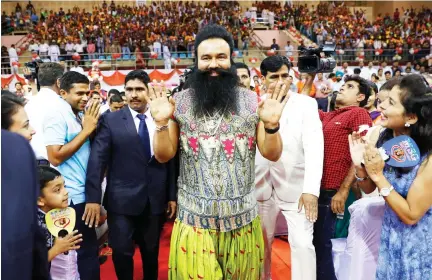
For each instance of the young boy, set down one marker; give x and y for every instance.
(53, 194)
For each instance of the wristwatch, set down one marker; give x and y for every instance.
(386, 191)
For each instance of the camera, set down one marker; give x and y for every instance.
(33, 66)
(317, 60)
(183, 80)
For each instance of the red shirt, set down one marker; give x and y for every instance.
(337, 125)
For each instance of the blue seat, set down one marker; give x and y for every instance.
(126, 57)
(174, 55)
(133, 57)
(189, 55)
(240, 54)
(101, 57)
(108, 57)
(182, 55)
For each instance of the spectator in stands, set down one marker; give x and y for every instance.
(33, 46)
(13, 57)
(166, 55)
(91, 50)
(5, 61)
(274, 46)
(54, 52)
(289, 50)
(43, 49)
(13, 116)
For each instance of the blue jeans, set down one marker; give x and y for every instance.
(324, 229)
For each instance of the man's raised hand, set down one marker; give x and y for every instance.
(161, 108)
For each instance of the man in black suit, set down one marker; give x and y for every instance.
(23, 252)
(139, 188)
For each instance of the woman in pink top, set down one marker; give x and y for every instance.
(91, 49)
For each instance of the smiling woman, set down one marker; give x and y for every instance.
(407, 224)
(13, 116)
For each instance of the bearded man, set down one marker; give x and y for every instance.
(217, 125)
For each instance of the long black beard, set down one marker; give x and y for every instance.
(214, 94)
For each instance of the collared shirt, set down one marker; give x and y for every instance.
(61, 127)
(151, 126)
(337, 125)
(38, 106)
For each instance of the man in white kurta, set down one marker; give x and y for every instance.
(291, 185)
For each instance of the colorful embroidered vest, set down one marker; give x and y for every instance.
(216, 182)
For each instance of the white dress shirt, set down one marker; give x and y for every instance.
(151, 126)
(37, 108)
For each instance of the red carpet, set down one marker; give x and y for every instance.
(281, 263)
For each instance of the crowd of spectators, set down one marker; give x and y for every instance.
(404, 35)
(119, 28)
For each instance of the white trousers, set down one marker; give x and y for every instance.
(167, 64)
(300, 235)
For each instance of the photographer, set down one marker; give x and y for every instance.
(47, 98)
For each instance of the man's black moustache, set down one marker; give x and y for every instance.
(220, 71)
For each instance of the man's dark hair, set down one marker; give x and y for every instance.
(387, 72)
(138, 74)
(113, 91)
(46, 175)
(95, 93)
(10, 103)
(70, 78)
(122, 93)
(364, 87)
(49, 73)
(241, 65)
(357, 71)
(273, 64)
(390, 84)
(212, 31)
(18, 83)
(116, 98)
(331, 75)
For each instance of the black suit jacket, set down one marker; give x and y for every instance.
(133, 180)
(24, 254)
